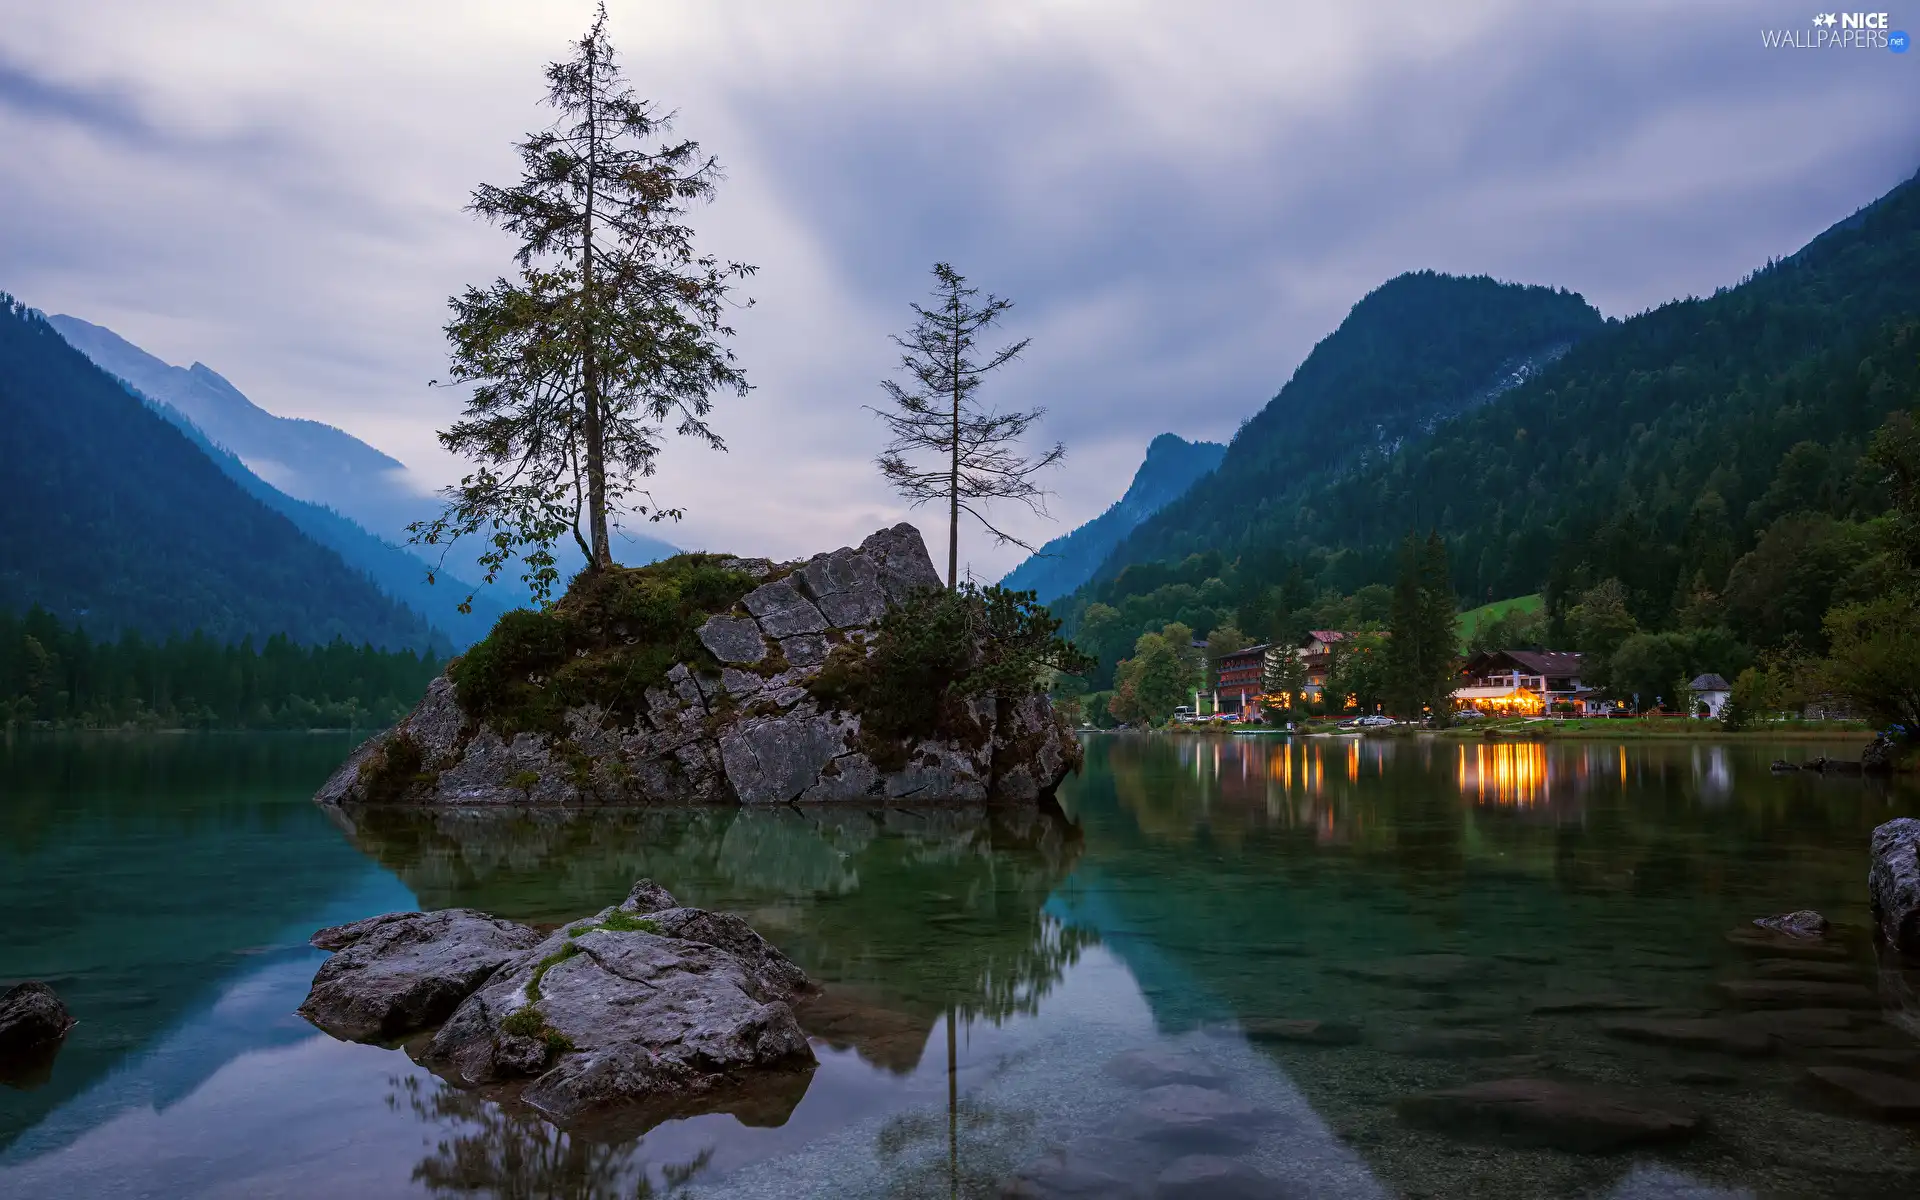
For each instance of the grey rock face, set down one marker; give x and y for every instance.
(746, 731)
(774, 760)
(33, 1023)
(1880, 755)
(846, 587)
(597, 1018)
(782, 611)
(900, 561)
(733, 640)
(398, 973)
(1894, 884)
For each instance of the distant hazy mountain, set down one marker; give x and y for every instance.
(326, 467)
(304, 459)
(1063, 564)
(114, 519)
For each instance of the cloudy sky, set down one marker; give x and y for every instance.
(1181, 197)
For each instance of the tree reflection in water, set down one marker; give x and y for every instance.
(486, 1150)
(903, 913)
(908, 916)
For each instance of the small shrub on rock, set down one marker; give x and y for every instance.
(393, 770)
(616, 632)
(933, 654)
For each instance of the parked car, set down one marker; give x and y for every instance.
(1372, 722)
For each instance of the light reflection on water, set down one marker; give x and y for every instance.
(1201, 882)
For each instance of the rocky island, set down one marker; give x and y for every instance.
(641, 1009)
(851, 676)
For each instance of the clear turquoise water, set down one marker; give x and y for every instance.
(982, 970)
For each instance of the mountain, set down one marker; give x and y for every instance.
(1706, 454)
(320, 465)
(1063, 564)
(303, 459)
(1415, 351)
(399, 573)
(116, 520)
(396, 572)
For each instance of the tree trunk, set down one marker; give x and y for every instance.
(953, 475)
(589, 361)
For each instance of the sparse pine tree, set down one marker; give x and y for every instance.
(611, 334)
(947, 446)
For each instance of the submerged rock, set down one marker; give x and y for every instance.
(1544, 1112)
(1773, 942)
(1886, 1096)
(635, 1006)
(33, 1024)
(1154, 1067)
(1797, 993)
(1724, 1037)
(740, 718)
(1211, 1177)
(1190, 1119)
(1424, 971)
(1802, 924)
(402, 972)
(1894, 884)
(1307, 1032)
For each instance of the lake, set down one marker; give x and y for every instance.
(997, 984)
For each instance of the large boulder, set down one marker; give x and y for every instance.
(1894, 884)
(402, 972)
(638, 1006)
(738, 721)
(33, 1024)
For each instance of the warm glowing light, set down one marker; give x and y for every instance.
(1507, 774)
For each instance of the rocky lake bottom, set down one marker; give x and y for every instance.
(1226, 967)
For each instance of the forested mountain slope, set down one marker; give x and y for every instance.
(1705, 453)
(116, 520)
(319, 467)
(1418, 349)
(1063, 564)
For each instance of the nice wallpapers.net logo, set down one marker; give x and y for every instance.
(1839, 31)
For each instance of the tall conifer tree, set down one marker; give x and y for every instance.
(611, 333)
(1422, 651)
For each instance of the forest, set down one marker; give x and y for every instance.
(1701, 488)
(55, 675)
(1696, 478)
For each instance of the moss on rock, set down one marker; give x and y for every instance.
(616, 632)
(394, 769)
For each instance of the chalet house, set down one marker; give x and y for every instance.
(1237, 682)
(1520, 682)
(1710, 695)
(1316, 650)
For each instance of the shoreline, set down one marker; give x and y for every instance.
(1860, 736)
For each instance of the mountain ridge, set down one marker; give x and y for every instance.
(1170, 467)
(120, 522)
(322, 476)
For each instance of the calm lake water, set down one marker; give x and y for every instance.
(1473, 911)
